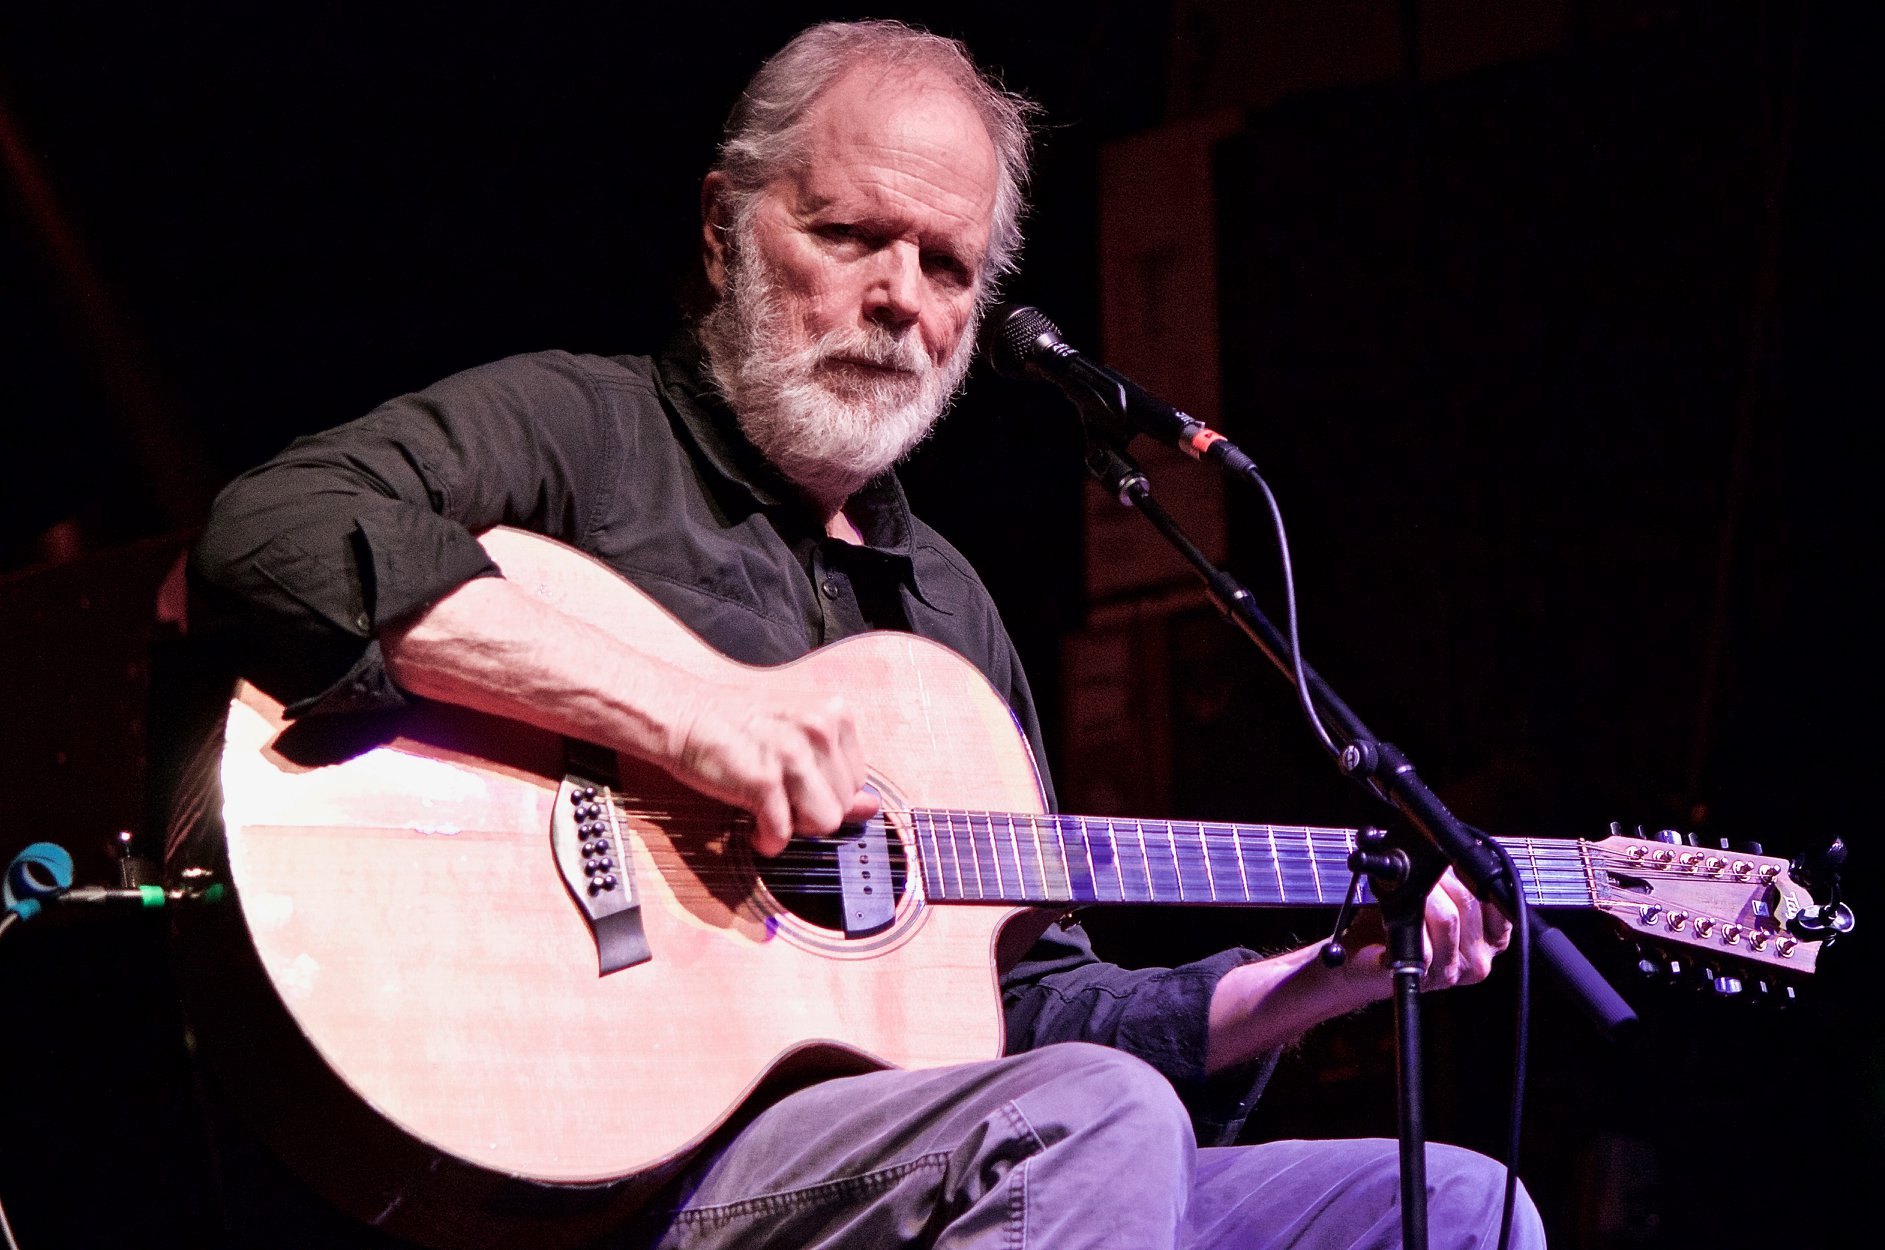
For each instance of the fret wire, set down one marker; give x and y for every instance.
(1276, 865)
(1204, 850)
(1315, 865)
(1086, 845)
(975, 856)
(1040, 868)
(1014, 849)
(955, 853)
(1094, 860)
(1066, 865)
(1178, 869)
(1145, 859)
(1016, 834)
(994, 855)
(1119, 861)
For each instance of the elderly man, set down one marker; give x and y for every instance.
(865, 202)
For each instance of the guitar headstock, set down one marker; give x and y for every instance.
(1723, 905)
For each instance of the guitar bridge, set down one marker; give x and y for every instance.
(594, 859)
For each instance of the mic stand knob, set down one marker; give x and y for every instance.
(1388, 868)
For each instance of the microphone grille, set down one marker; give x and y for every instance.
(1013, 335)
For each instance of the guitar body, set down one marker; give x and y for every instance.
(411, 991)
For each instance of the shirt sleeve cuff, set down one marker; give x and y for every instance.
(404, 568)
(1168, 1025)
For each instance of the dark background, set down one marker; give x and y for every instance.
(1554, 361)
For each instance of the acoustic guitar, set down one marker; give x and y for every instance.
(486, 987)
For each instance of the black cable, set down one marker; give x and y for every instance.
(1521, 1043)
(1289, 608)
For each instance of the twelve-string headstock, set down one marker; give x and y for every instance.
(1727, 907)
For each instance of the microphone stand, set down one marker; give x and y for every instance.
(1404, 861)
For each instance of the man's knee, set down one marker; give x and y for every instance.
(1082, 1087)
(1466, 1197)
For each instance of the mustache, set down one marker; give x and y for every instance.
(876, 347)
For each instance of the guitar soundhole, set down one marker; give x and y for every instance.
(805, 878)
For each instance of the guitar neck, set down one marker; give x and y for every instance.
(992, 857)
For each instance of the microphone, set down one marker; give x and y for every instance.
(1024, 345)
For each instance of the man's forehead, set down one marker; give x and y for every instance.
(908, 106)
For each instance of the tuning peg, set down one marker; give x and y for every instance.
(1725, 985)
(1670, 836)
(1748, 847)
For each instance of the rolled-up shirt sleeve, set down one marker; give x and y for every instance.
(307, 557)
(1062, 992)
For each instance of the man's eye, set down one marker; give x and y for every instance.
(947, 267)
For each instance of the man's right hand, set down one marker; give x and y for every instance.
(797, 767)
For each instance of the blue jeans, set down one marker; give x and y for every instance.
(1071, 1147)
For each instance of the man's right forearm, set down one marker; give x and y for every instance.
(488, 645)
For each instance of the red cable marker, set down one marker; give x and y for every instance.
(1200, 442)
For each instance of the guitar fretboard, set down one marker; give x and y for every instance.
(999, 857)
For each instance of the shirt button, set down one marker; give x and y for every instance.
(830, 588)
(360, 621)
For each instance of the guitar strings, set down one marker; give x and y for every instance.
(1551, 873)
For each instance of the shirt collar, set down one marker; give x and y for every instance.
(880, 510)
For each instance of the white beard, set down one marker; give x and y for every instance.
(827, 426)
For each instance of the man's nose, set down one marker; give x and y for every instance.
(892, 299)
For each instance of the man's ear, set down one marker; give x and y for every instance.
(716, 230)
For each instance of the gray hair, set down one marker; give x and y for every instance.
(765, 133)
